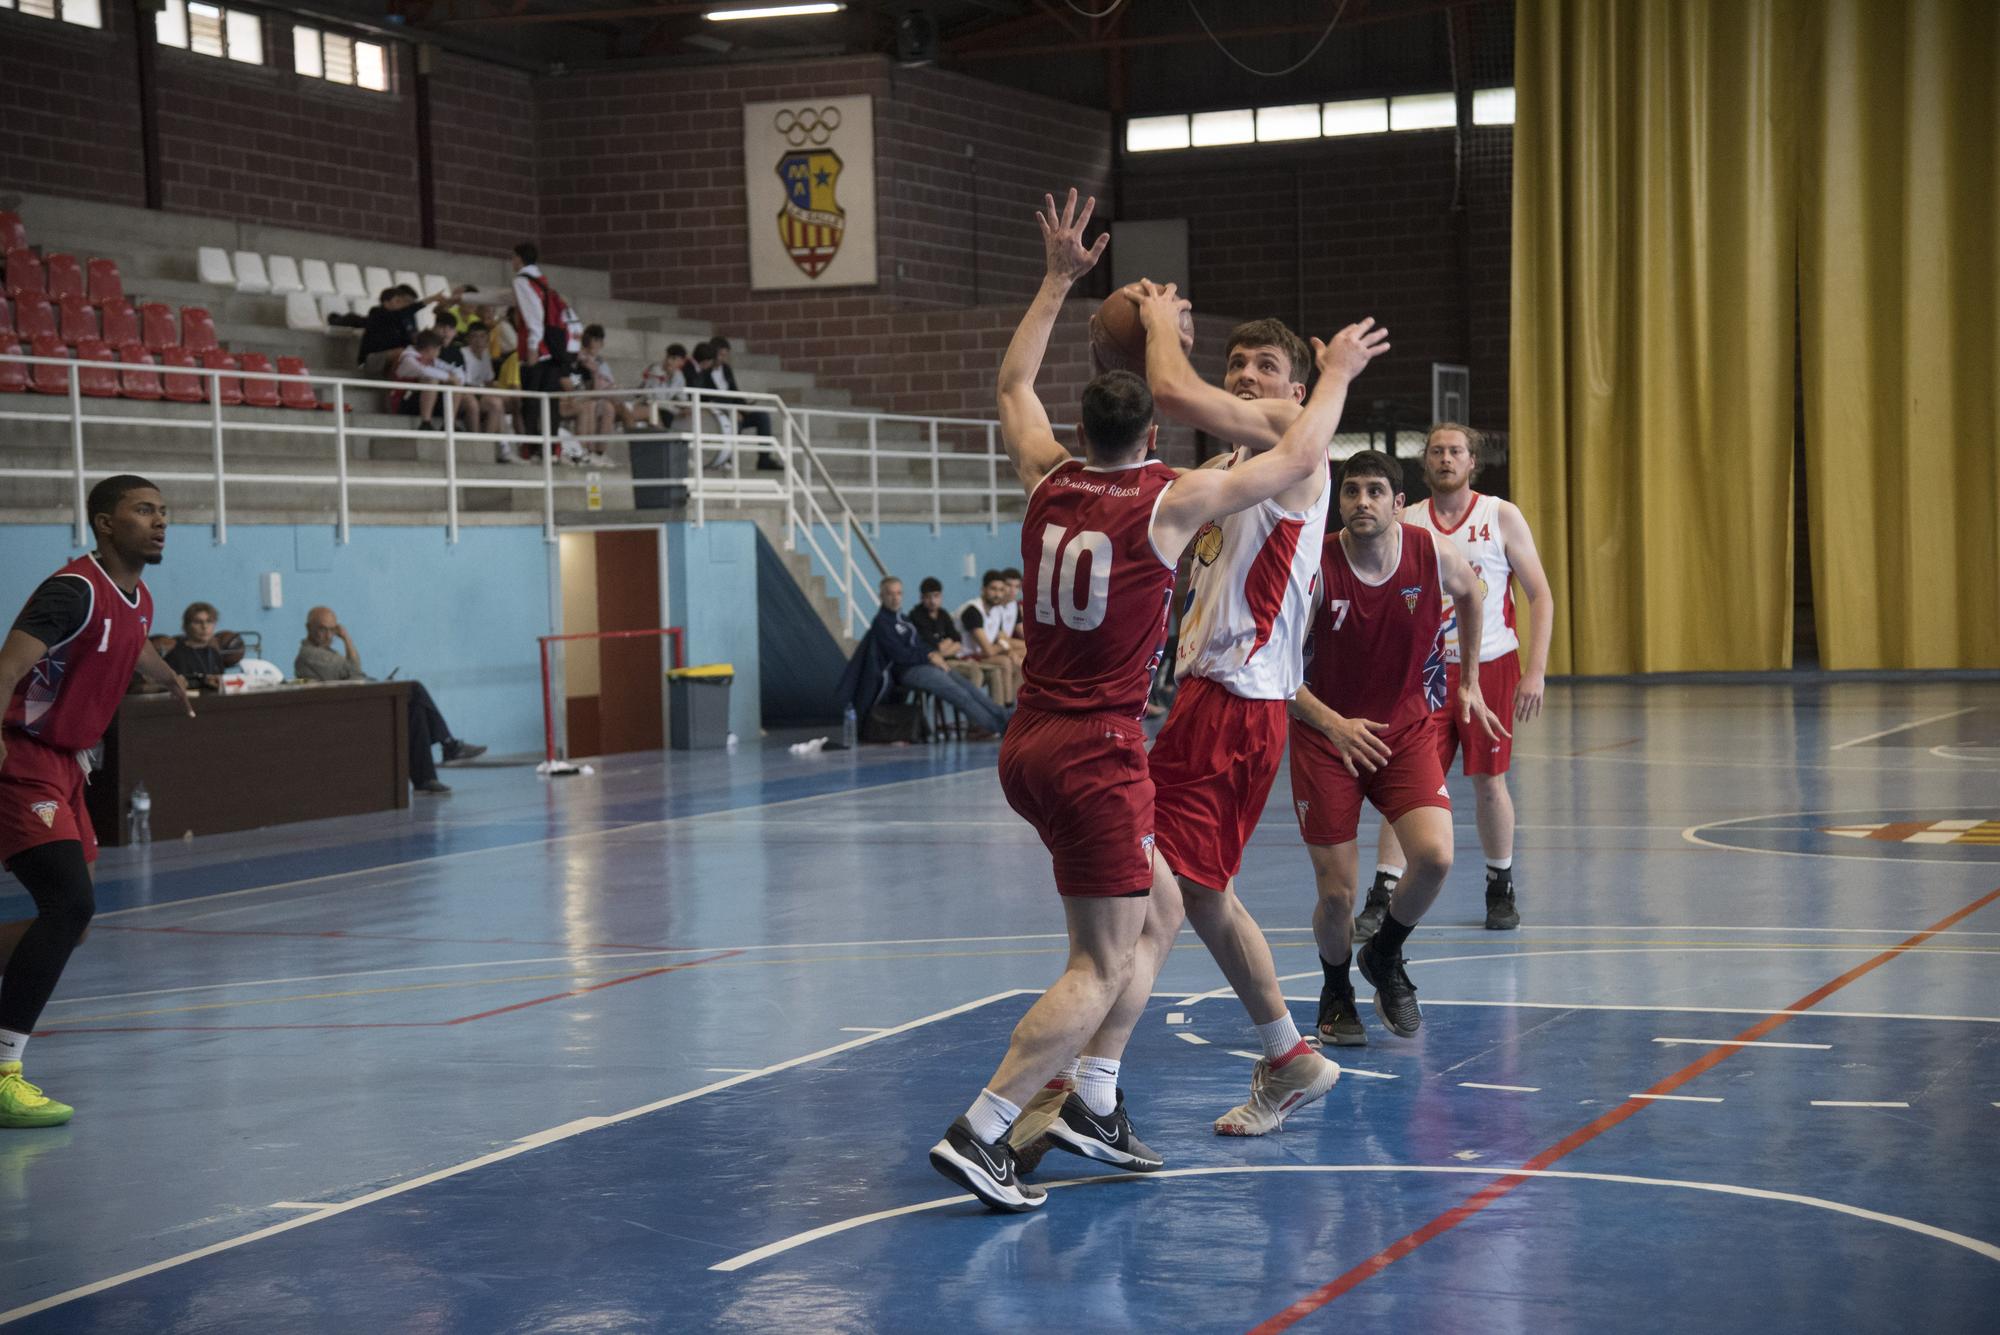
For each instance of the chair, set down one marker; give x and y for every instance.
(258, 393)
(34, 317)
(134, 382)
(376, 277)
(158, 329)
(228, 389)
(13, 375)
(211, 265)
(181, 388)
(294, 393)
(434, 282)
(13, 232)
(121, 323)
(65, 277)
(250, 273)
(332, 305)
(302, 312)
(106, 284)
(285, 277)
(24, 273)
(347, 280)
(50, 379)
(95, 380)
(317, 276)
(198, 330)
(412, 279)
(78, 320)
(426, 317)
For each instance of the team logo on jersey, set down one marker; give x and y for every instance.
(1146, 842)
(1208, 543)
(1478, 575)
(812, 222)
(1410, 596)
(47, 811)
(1303, 806)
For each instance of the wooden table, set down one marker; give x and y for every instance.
(260, 758)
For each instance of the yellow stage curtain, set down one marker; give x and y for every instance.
(1653, 326)
(1900, 306)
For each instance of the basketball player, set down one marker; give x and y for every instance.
(63, 669)
(1494, 538)
(1097, 544)
(1361, 727)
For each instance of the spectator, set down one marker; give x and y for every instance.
(421, 364)
(197, 655)
(473, 357)
(755, 422)
(701, 376)
(629, 413)
(666, 380)
(542, 329)
(913, 665)
(318, 661)
(1011, 623)
(938, 629)
(665, 386)
(983, 620)
(390, 326)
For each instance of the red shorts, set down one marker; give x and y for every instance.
(1328, 798)
(1081, 781)
(1483, 755)
(41, 798)
(1213, 764)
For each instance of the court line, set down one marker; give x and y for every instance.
(783, 1245)
(1692, 834)
(1511, 1089)
(1675, 1098)
(1694, 1010)
(1844, 1103)
(1590, 1131)
(1737, 1043)
(1903, 727)
(522, 1146)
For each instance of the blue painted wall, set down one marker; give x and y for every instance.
(712, 596)
(911, 552)
(462, 619)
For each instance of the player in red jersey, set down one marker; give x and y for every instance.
(1098, 545)
(63, 669)
(1361, 727)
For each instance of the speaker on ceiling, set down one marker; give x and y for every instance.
(916, 38)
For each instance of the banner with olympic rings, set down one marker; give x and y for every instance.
(809, 183)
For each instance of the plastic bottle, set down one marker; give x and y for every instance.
(849, 730)
(139, 823)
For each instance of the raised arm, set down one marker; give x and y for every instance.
(1462, 584)
(1527, 562)
(1196, 498)
(1024, 423)
(1183, 395)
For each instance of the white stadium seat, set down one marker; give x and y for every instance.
(284, 271)
(376, 278)
(412, 279)
(250, 274)
(211, 264)
(434, 282)
(347, 280)
(334, 304)
(302, 312)
(318, 277)
(426, 316)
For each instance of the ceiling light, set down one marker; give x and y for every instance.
(771, 12)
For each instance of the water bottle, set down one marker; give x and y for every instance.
(848, 729)
(139, 822)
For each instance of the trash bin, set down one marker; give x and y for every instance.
(698, 700)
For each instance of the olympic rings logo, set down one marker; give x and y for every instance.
(807, 126)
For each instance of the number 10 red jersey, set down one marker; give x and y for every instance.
(1095, 588)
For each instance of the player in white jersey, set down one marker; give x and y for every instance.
(1493, 536)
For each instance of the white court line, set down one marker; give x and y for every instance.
(729, 1070)
(860, 1029)
(1186, 1037)
(519, 1147)
(1692, 834)
(1511, 1089)
(1691, 1010)
(1974, 1245)
(1675, 1098)
(1738, 1043)
(1176, 1017)
(1902, 727)
(1843, 1103)
(297, 1205)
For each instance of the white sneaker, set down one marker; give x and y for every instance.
(572, 450)
(1275, 1095)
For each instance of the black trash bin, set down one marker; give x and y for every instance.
(698, 700)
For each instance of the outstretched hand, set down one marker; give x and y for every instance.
(1062, 237)
(1350, 351)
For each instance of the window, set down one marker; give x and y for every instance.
(210, 30)
(1280, 123)
(83, 13)
(1369, 116)
(1322, 120)
(1150, 134)
(1493, 106)
(1423, 111)
(340, 59)
(1212, 128)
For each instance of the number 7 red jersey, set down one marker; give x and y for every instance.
(1096, 588)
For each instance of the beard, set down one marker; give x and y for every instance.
(152, 559)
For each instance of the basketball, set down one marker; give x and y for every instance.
(1116, 336)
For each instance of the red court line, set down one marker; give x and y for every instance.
(1583, 1135)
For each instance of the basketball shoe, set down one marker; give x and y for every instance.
(1107, 1139)
(1369, 920)
(986, 1170)
(22, 1105)
(1277, 1094)
(1028, 1137)
(1395, 994)
(1339, 1022)
(1501, 915)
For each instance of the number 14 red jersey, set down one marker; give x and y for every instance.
(1096, 589)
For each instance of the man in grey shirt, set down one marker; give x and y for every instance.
(318, 660)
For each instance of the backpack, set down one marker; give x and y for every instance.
(562, 329)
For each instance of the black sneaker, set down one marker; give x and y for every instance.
(1339, 1021)
(455, 750)
(1107, 1139)
(1369, 921)
(1501, 916)
(1395, 994)
(987, 1171)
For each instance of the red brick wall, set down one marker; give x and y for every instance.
(69, 123)
(483, 155)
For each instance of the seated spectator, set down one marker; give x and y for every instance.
(390, 326)
(911, 664)
(473, 357)
(422, 364)
(1015, 628)
(749, 421)
(984, 621)
(318, 660)
(939, 631)
(666, 381)
(629, 413)
(197, 655)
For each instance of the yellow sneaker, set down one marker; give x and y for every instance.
(1029, 1134)
(22, 1105)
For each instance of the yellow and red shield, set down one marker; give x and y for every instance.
(812, 221)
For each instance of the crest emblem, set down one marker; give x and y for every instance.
(47, 811)
(812, 222)
(1410, 596)
(1208, 543)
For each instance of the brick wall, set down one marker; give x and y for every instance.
(483, 155)
(59, 131)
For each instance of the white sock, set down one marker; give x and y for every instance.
(1068, 1071)
(990, 1116)
(1279, 1036)
(1499, 864)
(1097, 1084)
(12, 1045)
(1384, 869)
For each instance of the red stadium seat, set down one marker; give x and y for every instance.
(34, 317)
(99, 382)
(121, 323)
(13, 375)
(290, 392)
(198, 330)
(228, 389)
(50, 379)
(13, 233)
(181, 388)
(139, 380)
(78, 320)
(258, 393)
(106, 283)
(65, 276)
(24, 272)
(158, 329)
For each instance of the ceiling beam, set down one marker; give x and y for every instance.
(1357, 16)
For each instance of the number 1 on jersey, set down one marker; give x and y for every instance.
(1086, 613)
